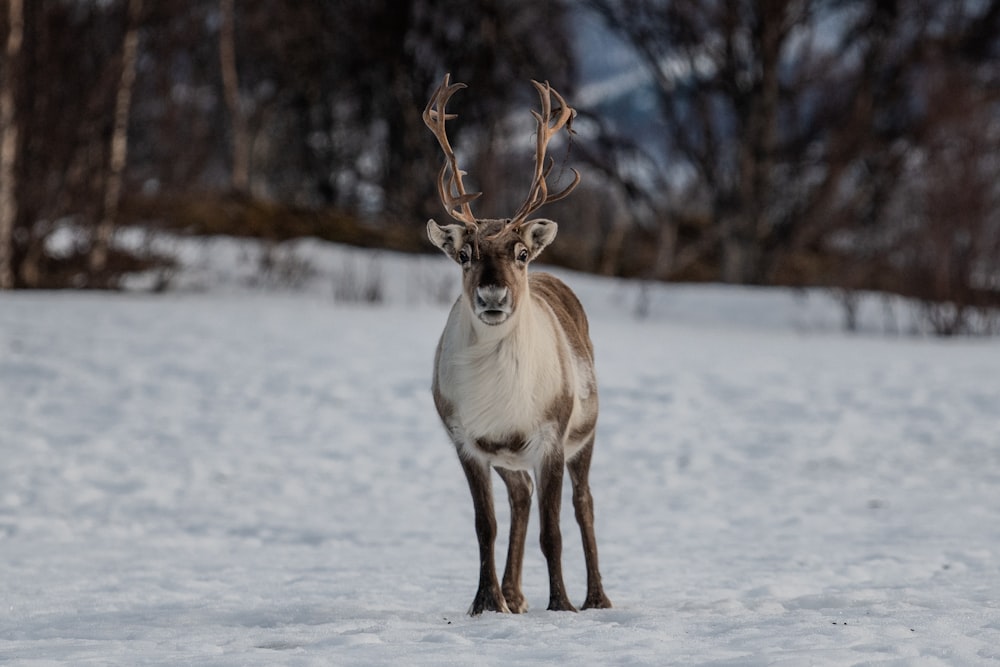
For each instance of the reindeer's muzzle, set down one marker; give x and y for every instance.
(492, 304)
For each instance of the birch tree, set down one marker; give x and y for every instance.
(240, 175)
(119, 143)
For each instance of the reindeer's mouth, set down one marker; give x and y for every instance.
(493, 317)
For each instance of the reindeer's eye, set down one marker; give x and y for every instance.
(522, 255)
(463, 256)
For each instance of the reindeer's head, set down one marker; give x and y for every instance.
(494, 254)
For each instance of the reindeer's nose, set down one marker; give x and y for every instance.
(492, 297)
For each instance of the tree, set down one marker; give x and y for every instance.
(939, 229)
(495, 46)
(240, 179)
(330, 94)
(100, 248)
(104, 103)
(69, 73)
(800, 124)
(717, 69)
(9, 140)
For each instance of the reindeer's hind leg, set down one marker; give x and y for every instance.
(519, 490)
(583, 504)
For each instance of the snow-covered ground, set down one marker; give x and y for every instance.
(230, 476)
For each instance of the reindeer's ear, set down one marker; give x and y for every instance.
(449, 238)
(537, 234)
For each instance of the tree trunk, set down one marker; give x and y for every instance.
(8, 141)
(666, 248)
(119, 144)
(744, 252)
(240, 177)
(611, 248)
(740, 256)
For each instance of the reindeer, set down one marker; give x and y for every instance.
(514, 377)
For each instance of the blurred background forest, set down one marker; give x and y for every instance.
(849, 144)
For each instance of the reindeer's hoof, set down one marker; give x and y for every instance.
(516, 602)
(488, 600)
(599, 601)
(561, 605)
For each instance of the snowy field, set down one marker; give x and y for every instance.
(224, 475)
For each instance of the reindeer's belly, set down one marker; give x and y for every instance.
(514, 452)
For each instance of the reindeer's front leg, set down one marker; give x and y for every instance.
(550, 476)
(488, 596)
(519, 491)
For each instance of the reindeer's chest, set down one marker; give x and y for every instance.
(502, 391)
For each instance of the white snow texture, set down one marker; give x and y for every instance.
(233, 476)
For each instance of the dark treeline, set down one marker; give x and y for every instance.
(843, 143)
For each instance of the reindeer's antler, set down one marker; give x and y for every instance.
(550, 121)
(451, 190)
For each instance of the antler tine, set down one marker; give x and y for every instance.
(451, 190)
(550, 122)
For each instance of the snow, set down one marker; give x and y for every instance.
(233, 475)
